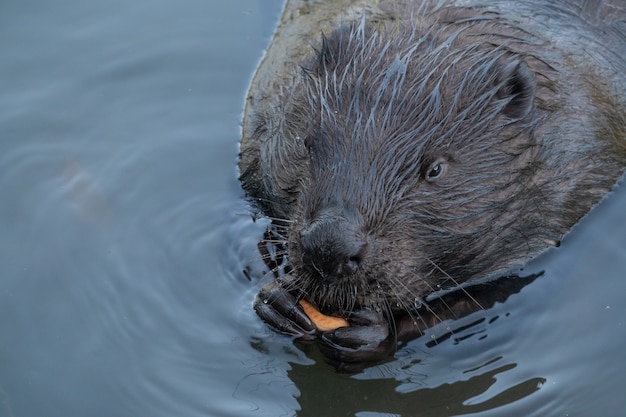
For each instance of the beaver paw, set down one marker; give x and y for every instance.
(365, 342)
(280, 310)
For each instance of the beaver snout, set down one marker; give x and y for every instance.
(333, 246)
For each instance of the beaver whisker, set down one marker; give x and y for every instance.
(273, 269)
(266, 203)
(273, 256)
(423, 303)
(408, 304)
(456, 283)
(277, 222)
(411, 312)
(274, 241)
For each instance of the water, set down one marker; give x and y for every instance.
(123, 238)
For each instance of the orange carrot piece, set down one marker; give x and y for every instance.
(323, 322)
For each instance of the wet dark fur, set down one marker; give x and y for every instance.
(411, 157)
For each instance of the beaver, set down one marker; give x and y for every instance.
(405, 150)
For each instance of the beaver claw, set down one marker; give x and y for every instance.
(281, 311)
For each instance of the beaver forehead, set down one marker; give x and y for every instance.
(415, 95)
(377, 109)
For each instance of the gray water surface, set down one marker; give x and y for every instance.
(124, 236)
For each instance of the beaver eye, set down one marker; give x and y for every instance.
(436, 170)
(308, 142)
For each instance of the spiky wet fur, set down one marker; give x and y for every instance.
(378, 104)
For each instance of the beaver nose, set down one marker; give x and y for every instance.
(332, 247)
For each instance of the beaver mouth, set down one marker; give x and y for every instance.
(343, 295)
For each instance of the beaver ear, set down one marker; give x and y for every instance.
(518, 86)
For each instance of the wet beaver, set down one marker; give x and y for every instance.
(422, 145)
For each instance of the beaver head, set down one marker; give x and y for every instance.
(420, 160)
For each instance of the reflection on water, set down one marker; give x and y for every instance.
(416, 381)
(381, 393)
(84, 194)
(120, 284)
(123, 241)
